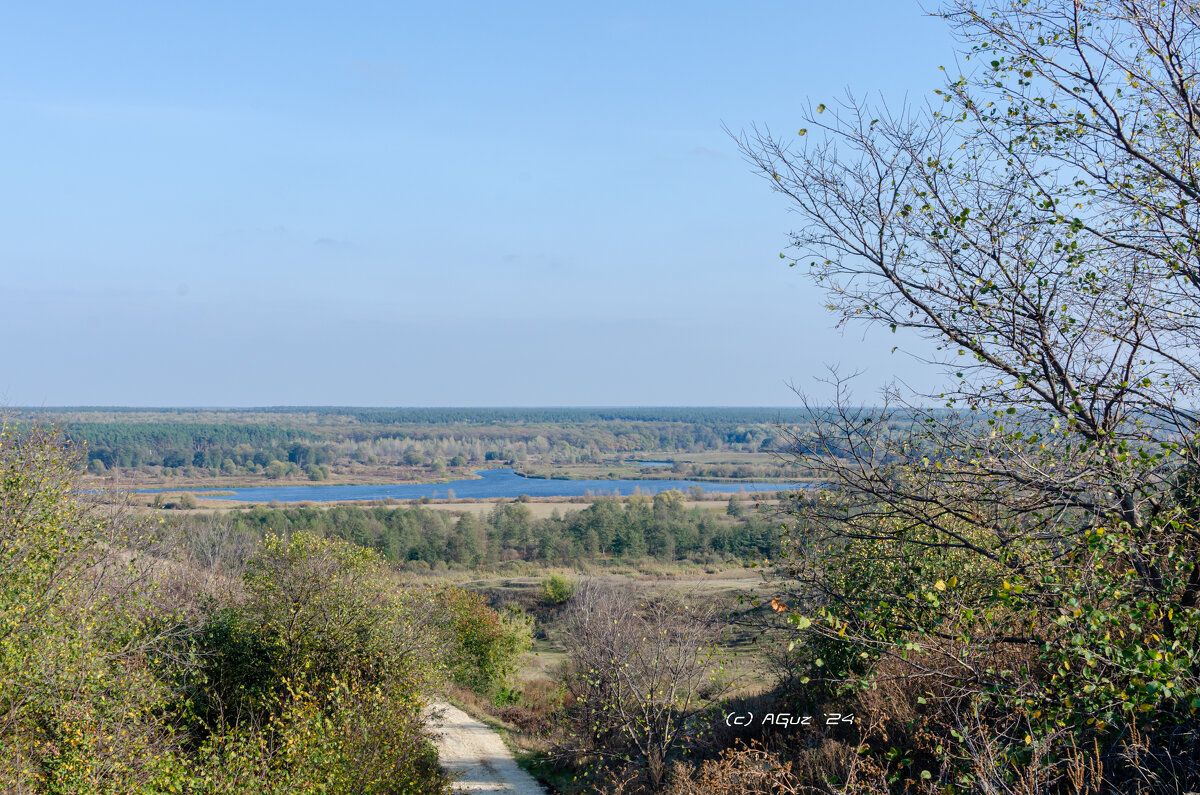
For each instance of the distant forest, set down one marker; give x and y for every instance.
(662, 528)
(415, 443)
(446, 416)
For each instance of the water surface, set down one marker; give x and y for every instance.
(491, 483)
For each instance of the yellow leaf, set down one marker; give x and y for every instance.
(940, 585)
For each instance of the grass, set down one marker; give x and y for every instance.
(548, 655)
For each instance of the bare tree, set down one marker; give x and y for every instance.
(637, 668)
(1038, 222)
(1040, 225)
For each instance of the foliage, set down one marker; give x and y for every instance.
(1019, 577)
(74, 628)
(420, 442)
(316, 611)
(345, 739)
(176, 444)
(129, 663)
(662, 528)
(557, 589)
(485, 646)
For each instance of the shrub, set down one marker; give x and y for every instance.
(117, 676)
(636, 669)
(317, 610)
(557, 589)
(345, 739)
(80, 699)
(487, 646)
(754, 770)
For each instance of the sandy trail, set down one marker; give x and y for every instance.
(468, 747)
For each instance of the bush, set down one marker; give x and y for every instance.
(349, 739)
(317, 611)
(123, 671)
(754, 770)
(486, 645)
(557, 589)
(636, 669)
(81, 621)
(315, 677)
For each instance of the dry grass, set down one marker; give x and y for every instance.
(754, 770)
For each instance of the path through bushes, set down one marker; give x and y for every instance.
(468, 747)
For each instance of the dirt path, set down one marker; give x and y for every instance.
(468, 747)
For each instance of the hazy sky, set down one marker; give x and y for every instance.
(445, 203)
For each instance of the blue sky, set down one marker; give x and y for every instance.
(421, 204)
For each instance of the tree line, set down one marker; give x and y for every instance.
(177, 445)
(660, 528)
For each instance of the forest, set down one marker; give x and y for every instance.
(243, 445)
(661, 528)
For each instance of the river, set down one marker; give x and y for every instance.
(490, 484)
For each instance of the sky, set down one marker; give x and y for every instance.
(402, 204)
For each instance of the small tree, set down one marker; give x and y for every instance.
(636, 670)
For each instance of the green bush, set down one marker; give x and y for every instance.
(117, 677)
(317, 611)
(557, 589)
(81, 623)
(487, 646)
(334, 738)
(1053, 649)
